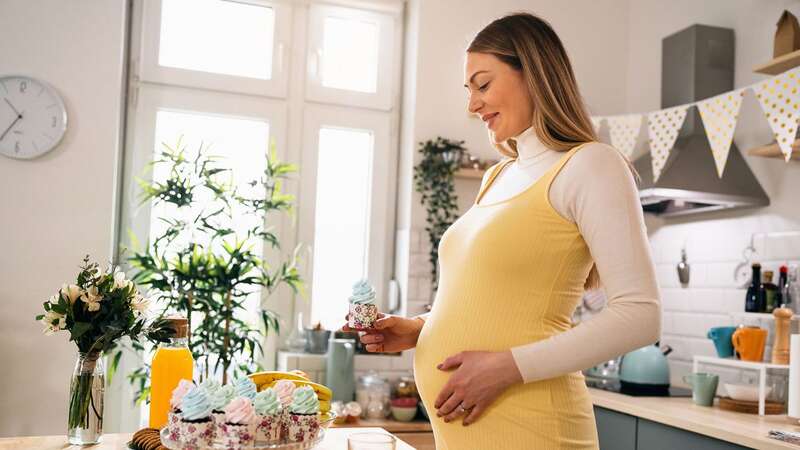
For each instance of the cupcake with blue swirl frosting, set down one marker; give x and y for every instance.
(363, 311)
(197, 429)
(269, 415)
(303, 415)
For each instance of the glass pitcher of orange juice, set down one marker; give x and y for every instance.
(172, 362)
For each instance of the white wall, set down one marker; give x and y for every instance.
(57, 208)
(714, 241)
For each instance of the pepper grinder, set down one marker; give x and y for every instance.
(780, 344)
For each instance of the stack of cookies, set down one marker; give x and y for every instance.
(147, 439)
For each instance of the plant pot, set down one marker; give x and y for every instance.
(317, 341)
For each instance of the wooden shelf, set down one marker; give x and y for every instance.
(470, 173)
(780, 64)
(773, 151)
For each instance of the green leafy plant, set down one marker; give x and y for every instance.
(434, 179)
(207, 260)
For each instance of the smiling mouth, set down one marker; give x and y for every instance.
(492, 119)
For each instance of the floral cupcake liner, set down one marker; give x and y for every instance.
(362, 316)
(235, 436)
(174, 425)
(196, 435)
(303, 427)
(268, 429)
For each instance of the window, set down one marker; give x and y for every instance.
(218, 72)
(353, 56)
(347, 161)
(232, 46)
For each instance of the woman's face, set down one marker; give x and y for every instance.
(498, 94)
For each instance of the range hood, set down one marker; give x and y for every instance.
(697, 63)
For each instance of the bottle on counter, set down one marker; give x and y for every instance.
(783, 278)
(754, 299)
(771, 293)
(172, 363)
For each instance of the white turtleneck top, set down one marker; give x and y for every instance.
(596, 191)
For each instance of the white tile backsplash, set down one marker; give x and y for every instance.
(712, 298)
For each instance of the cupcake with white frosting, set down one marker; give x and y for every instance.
(303, 415)
(363, 311)
(268, 416)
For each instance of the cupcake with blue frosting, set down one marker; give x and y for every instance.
(219, 396)
(269, 415)
(245, 388)
(363, 311)
(303, 415)
(197, 429)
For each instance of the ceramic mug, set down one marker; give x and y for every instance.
(704, 387)
(749, 343)
(722, 340)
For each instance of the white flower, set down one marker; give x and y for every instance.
(53, 322)
(140, 304)
(72, 292)
(119, 279)
(92, 298)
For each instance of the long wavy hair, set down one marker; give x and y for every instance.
(560, 120)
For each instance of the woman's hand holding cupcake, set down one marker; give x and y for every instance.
(390, 333)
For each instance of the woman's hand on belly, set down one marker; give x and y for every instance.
(391, 334)
(478, 379)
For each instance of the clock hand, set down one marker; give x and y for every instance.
(12, 107)
(10, 127)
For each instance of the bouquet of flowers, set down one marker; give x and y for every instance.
(99, 309)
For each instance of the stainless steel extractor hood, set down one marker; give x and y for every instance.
(697, 63)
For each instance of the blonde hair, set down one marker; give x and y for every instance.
(529, 44)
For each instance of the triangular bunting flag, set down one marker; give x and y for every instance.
(624, 130)
(780, 100)
(597, 122)
(662, 131)
(720, 115)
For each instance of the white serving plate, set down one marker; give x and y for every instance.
(745, 392)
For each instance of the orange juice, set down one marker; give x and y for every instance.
(172, 362)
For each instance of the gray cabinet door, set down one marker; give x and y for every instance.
(616, 431)
(656, 436)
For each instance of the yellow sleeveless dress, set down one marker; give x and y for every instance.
(512, 273)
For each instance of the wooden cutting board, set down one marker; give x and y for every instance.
(749, 407)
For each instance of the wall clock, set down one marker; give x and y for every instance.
(33, 118)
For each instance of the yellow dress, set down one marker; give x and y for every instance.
(512, 273)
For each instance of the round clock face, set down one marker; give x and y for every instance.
(32, 117)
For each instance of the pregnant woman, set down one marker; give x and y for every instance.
(498, 359)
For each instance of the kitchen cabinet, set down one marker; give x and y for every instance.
(618, 431)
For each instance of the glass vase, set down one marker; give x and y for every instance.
(86, 395)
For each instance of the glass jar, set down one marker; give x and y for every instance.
(369, 383)
(406, 387)
(86, 396)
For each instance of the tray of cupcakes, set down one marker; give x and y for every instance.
(266, 410)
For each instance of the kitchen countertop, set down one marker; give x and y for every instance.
(335, 439)
(749, 430)
(390, 425)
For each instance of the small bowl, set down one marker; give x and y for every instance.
(404, 413)
(745, 392)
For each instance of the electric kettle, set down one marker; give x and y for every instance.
(645, 370)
